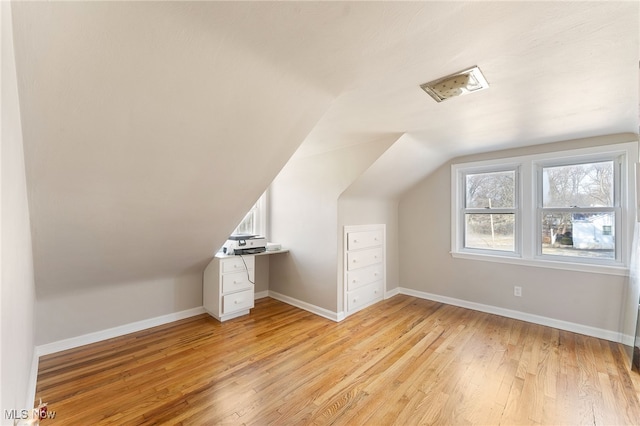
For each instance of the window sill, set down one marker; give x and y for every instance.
(543, 263)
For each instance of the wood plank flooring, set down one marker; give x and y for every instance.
(404, 361)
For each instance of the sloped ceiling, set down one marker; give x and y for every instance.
(151, 127)
(557, 71)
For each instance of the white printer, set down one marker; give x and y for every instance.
(244, 244)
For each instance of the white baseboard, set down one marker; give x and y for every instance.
(389, 294)
(333, 316)
(523, 316)
(109, 333)
(74, 342)
(261, 295)
(98, 336)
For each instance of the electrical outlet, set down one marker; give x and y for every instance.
(517, 291)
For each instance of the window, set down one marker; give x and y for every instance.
(570, 210)
(255, 221)
(579, 209)
(490, 210)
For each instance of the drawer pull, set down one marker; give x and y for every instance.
(354, 281)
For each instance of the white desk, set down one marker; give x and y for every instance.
(230, 281)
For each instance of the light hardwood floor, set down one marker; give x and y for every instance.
(403, 361)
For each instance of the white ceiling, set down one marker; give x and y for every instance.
(557, 70)
(140, 117)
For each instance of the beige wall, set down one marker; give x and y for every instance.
(590, 299)
(262, 268)
(146, 145)
(102, 307)
(17, 293)
(304, 218)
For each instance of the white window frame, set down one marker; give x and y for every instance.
(490, 168)
(260, 218)
(528, 231)
(618, 159)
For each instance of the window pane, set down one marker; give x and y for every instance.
(495, 189)
(490, 231)
(248, 225)
(581, 185)
(579, 234)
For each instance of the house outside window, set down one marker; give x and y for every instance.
(569, 210)
(579, 209)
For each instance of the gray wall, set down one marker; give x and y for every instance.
(304, 218)
(261, 271)
(146, 145)
(590, 299)
(17, 293)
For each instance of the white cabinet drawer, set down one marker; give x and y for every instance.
(236, 281)
(237, 301)
(364, 295)
(362, 258)
(236, 263)
(363, 276)
(363, 239)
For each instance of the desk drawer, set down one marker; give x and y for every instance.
(235, 264)
(362, 258)
(237, 301)
(236, 281)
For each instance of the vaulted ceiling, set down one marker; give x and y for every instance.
(151, 127)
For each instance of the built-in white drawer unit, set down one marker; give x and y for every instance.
(363, 276)
(237, 263)
(364, 266)
(237, 301)
(235, 281)
(364, 296)
(361, 258)
(363, 239)
(228, 289)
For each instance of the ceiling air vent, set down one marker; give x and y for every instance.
(461, 83)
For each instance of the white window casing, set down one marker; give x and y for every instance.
(528, 209)
(255, 221)
(488, 209)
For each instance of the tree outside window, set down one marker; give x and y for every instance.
(490, 210)
(579, 210)
(571, 209)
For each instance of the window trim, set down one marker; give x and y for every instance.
(617, 208)
(528, 232)
(260, 210)
(515, 210)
